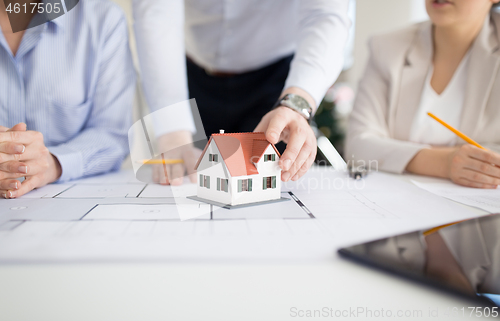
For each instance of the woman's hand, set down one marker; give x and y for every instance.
(24, 154)
(474, 167)
(176, 145)
(466, 165)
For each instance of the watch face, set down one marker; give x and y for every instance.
(300, 102)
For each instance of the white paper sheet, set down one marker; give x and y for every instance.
(286, 209)
(47, 191)
(486, 199)
(347, 212)
(139, 212)
(121, 177)
(377, 206)
(103, 191)
(161, 191)
(229, 240)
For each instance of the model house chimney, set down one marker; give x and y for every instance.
(221, 131)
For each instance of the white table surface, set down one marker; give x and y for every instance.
(216, 291)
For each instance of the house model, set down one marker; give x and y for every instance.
(237, 169)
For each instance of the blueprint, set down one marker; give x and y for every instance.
(486, 199)
(115, 218)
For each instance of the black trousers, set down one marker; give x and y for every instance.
(236, 103)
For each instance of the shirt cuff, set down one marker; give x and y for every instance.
(172, 118)
(314, 85)
(71, 162)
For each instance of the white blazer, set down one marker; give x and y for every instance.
(390, 91)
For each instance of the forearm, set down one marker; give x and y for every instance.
(94, 151)
(431, 162)
(378, 151)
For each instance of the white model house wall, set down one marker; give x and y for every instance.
(258, 193)
(213, 170)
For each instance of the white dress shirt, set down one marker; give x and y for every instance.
(237, 36)
(448, 106)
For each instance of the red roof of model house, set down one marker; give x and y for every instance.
(240, 151)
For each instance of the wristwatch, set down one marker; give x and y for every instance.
(296, 103)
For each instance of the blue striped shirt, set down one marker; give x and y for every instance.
(73, 80)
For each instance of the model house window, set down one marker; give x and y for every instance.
(269, 158)
(222, 184)
(205, 181)
(269, 182)
(213, 158)
(245, 185)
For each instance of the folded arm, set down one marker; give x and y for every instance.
(102, 144)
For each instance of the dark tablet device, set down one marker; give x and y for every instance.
(462, 258)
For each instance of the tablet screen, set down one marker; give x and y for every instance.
(462, 257)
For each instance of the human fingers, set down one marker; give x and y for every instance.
(277, 123)
(296, 142)
(305, 167)
(11, 148)
(483, 167)
(263, 125)
(6, 194)
(159, 174)
(13, 169)
(27, 186)
(3, 129)
(156, 173)
(9, 184)
(480, 178)
(21, 137)
(18, 127)
(28, 168)
(467, 183)
(309, 147)
(190, 160)
(163, 170)
(484, 155)
(299, 161)
(32, 152)
(176, 174)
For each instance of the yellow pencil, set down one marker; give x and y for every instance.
(456, 131)
(468, 140)
(433, 230)
(161, 161)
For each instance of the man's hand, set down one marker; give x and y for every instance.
(23, 154)
(474, 167)
(177, 145)
(284, 124)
